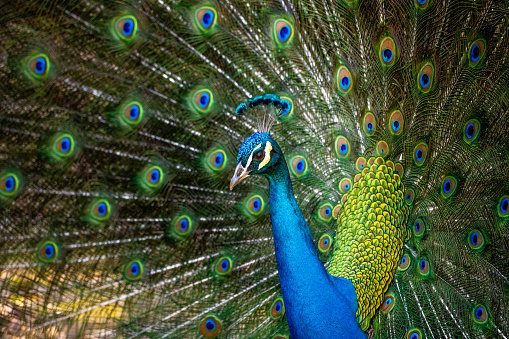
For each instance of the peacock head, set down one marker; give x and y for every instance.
(257, 155)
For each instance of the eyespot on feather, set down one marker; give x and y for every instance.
(153, 177)
(100, 210)
(342, 147)
(369, 124)
(476, 240)
(382, 149)
(471, 131)
(345, 185)
(133, 270)
(202, 101)
(255, 205)
(419, 228)
(396, 122)
(299, 166)
(206, 18)
(360, 164)
(420, 153)
(47, 252)
(324, 243)
(502, 208)
(126, 28)
(336, 210)
(210, 326)
(404, 263)
(217, 160)
(183, 226)
(388, 51)
(325, 212)
(423, 266)
(476, 53)
(388, 303)
(409, 196)
(132, 113)
(286, 107)
(283, 32)
(344, 79)
(38, 66)
(398, 169)
(449, 185)
(480, 314)
(63, 146)
(9, 184)
(425, 78)
(277, 309)
(414, 333)
(223, 266)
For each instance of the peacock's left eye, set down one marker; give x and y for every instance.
(259, 156)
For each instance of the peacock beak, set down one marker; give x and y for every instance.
(240, 174)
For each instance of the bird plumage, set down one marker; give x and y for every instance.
(120, 129)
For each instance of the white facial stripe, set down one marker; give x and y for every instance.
(251, 158)
(268, 148)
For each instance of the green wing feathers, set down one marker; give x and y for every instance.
(118, 139)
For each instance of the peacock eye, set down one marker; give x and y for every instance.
(259, 156)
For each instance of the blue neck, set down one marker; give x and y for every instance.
(316, 303)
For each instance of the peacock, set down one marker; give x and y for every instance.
(254, 169)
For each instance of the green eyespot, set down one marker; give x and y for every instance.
(283, 32)
(125, 27)
(153, 177)
(388, 303)
(255, 205)
(325, 212)
(449, 185)
(344, 80)
(217, 160)
(210, 326)
(132, 113)
(133, 270)
(345, 185)
(471, 131)
(342, 147)
(223, 266)
(205, 19)
(369, 124)
(425, 77)
(38, 66)
(419, 228)
(9, 184)
(100, 210)
(277, 309)
(382, 149)
(299, 166)
(396, 122)
(202, 101)
(388, 51)
(63, 145)
(183, 226)
(47, 252)
(325, 243)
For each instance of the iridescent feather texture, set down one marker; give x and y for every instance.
(381, 126)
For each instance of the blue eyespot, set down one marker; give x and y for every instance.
(423, 264)
(474, 238)
(470, 131)
(286, 107)
(284, 33)
(210, 325)
(388, 301)
(40, 66)
(387, 55)
(155, 175)
(207, 19)
(326, 242)
(10, 183)
(347, 186)
(278, 306)
(49, 250)
(475, 54)
(219, 159)
(362, 166)
(417, 226)
(345, 83)
(300, 166)
(134, 113)
(479, 312)
(408, 197)
(382, 151)
(447, 186)
(328, 211)
(418, 154)
(415, 335)
(184, 224)
(403, 260)
(396, 125)
(504, 205)
(343, 149)
(257, 204)
(421, 2)
(102, 209)
(424, 79)
(370, 127)
(128, 27)
(225, 264)
(204, 99)
(66, 145)
(135, 269)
